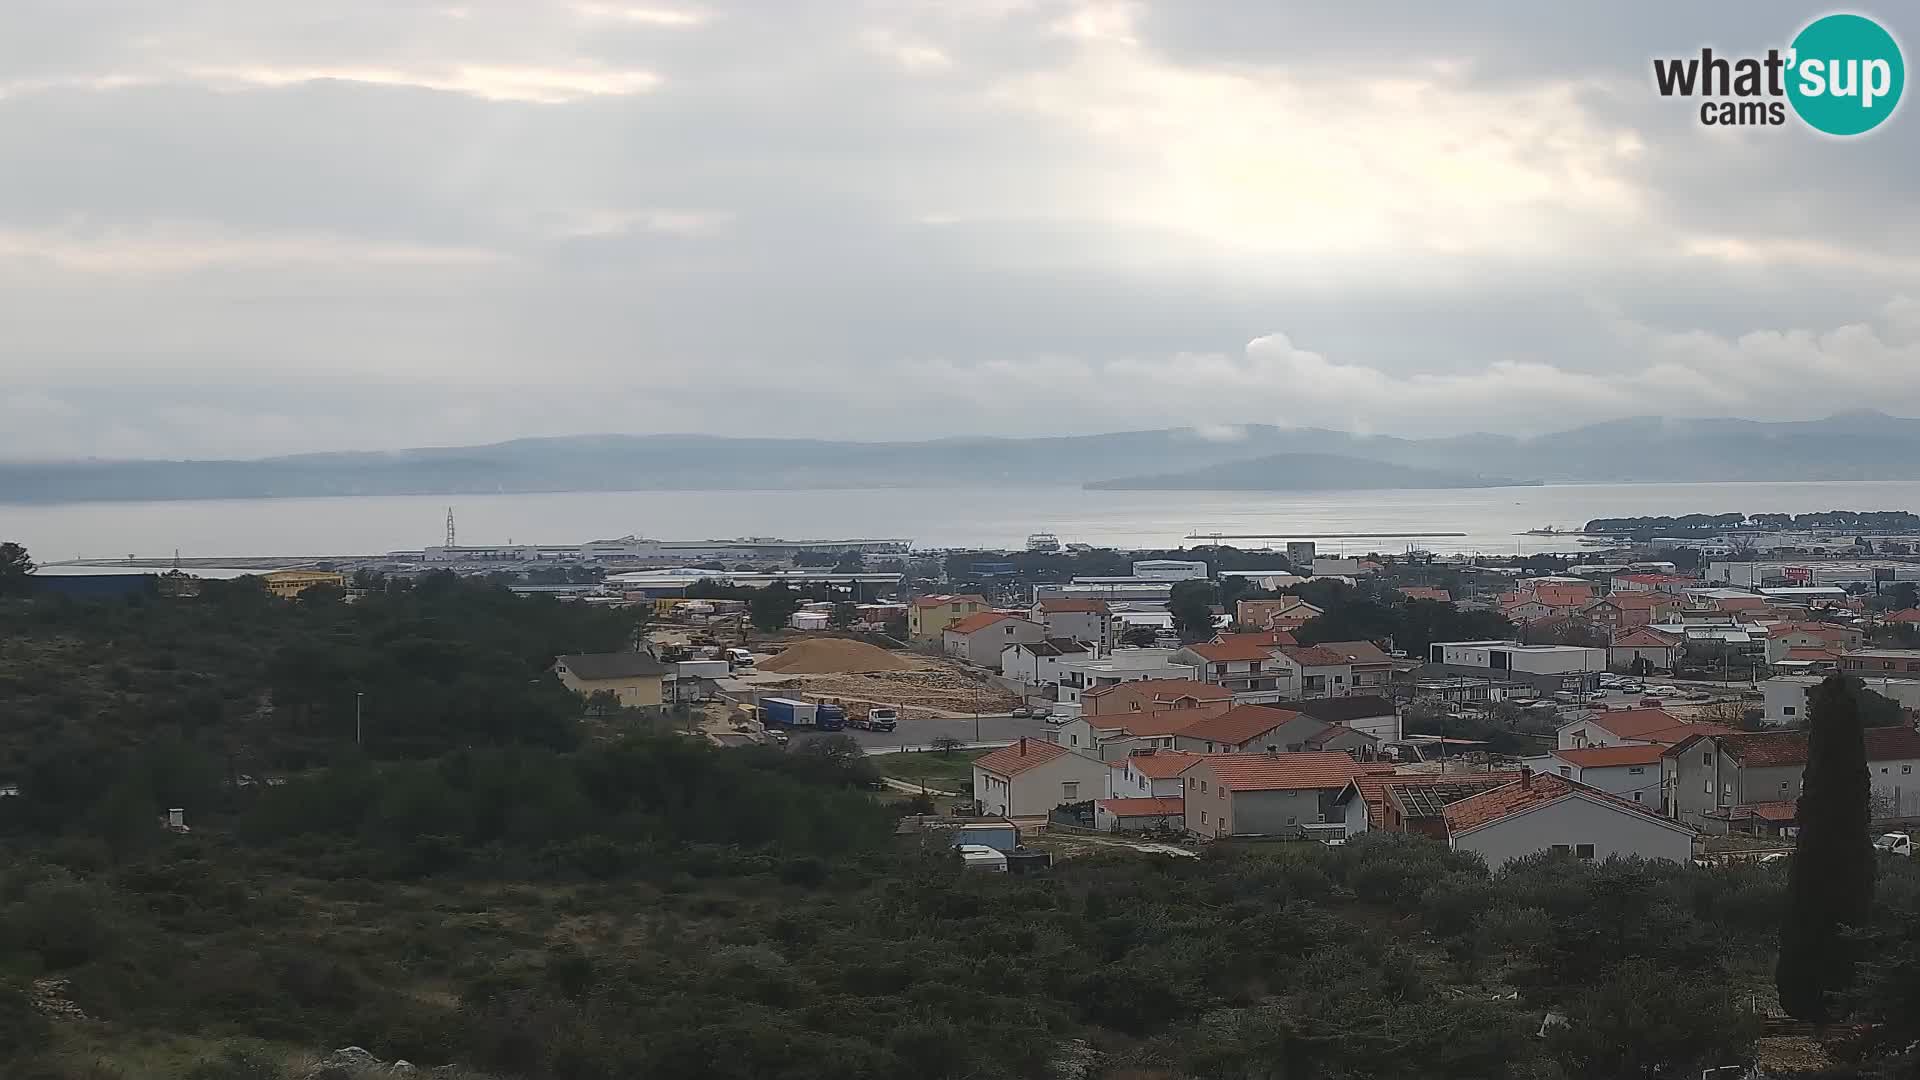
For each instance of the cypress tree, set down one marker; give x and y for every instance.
(1830, 883)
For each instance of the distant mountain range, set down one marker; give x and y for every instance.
(1302, 472)
(1850, 446)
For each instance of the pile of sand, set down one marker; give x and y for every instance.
(832, 656)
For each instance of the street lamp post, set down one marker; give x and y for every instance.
(357, 695)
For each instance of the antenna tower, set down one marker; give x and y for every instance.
(450, 542)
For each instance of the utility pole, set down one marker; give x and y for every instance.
(357, 695)
(976, 716)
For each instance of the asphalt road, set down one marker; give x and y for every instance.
(922, 733)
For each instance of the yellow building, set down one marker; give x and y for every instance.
(633, 677)
(929, 616)
(288, 584)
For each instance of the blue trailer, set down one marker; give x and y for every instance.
(799, 715)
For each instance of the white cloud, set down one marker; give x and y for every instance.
(184, 247)
(546, 86)
(645, 16)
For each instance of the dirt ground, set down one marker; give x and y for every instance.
(930, 687)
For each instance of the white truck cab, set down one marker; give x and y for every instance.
(1894, 843)
(739, 658)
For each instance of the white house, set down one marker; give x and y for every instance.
(1628, 727)
(1369, 713)
(1631, 771)
(1037, 663)
(1170, 569)
(979, 638)
(1552, 813)
(1076, 620)
(1785, 696)
(1113, 736)
(1247, 669)
(1324, 672)
(1030, 778)
(1149, 773)
(1080, 676)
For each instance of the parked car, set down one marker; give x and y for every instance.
(1055, 720)
(1022, 711)
(1632, 687)
(1702, 695)
(1043, 712)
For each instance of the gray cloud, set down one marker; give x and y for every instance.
(250, 226)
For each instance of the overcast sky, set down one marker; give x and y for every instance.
(243, 227)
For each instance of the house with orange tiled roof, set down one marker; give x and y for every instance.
(1078, 620)
(1616, 727)
(1324, 671)
(1552, 813)
(1243, 666)
(1903, 617)
(1660, 651)
(1145, 773)
(1266, 794)
(980, 638)
(1140, 815)
(1409, 802)
(1285, 613)
(1667, 583)
(1784, 637)
(1031, 777)
(929, 616)
(1152, 695)
(1425, 592)
(1710, 775)
(1246, 728)
(1113, 736)
(1624, 611)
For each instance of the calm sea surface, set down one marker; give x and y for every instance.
(1491, 519)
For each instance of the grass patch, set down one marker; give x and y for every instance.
(948, 772)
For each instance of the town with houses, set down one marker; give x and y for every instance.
(1611, 702)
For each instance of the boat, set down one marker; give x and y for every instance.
(1044, 542)
(1548, 530)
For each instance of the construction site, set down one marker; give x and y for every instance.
(855, 673)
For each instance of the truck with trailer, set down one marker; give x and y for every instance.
(796, 715)
(864, 716)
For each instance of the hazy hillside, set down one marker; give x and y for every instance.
(1301, 472)
(1854, 446)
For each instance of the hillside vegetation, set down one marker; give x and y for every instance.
(484, 888)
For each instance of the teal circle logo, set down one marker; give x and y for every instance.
(1846, 74)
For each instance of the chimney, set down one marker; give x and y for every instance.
(176, 819)
(1023, 746)
(1526, 777)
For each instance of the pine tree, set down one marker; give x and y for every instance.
(1830, 884)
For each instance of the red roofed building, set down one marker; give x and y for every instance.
(1139, 815)
(1243, 728)
(1667, 583)
(1031, 777)
(1242, 666)
(1539, 813)
(1113, 736)
(981, 637)
(1710, 776)
(929, 616)
(1152, 695)
(1903, 617)
(1080, 620)
(1629, 770)
(1640, 643)
(1409, 803)
(1644, 727)
(1626, 610)
(1324, 672)
(1266, 794)
(1425, 592)
(1783, 638)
